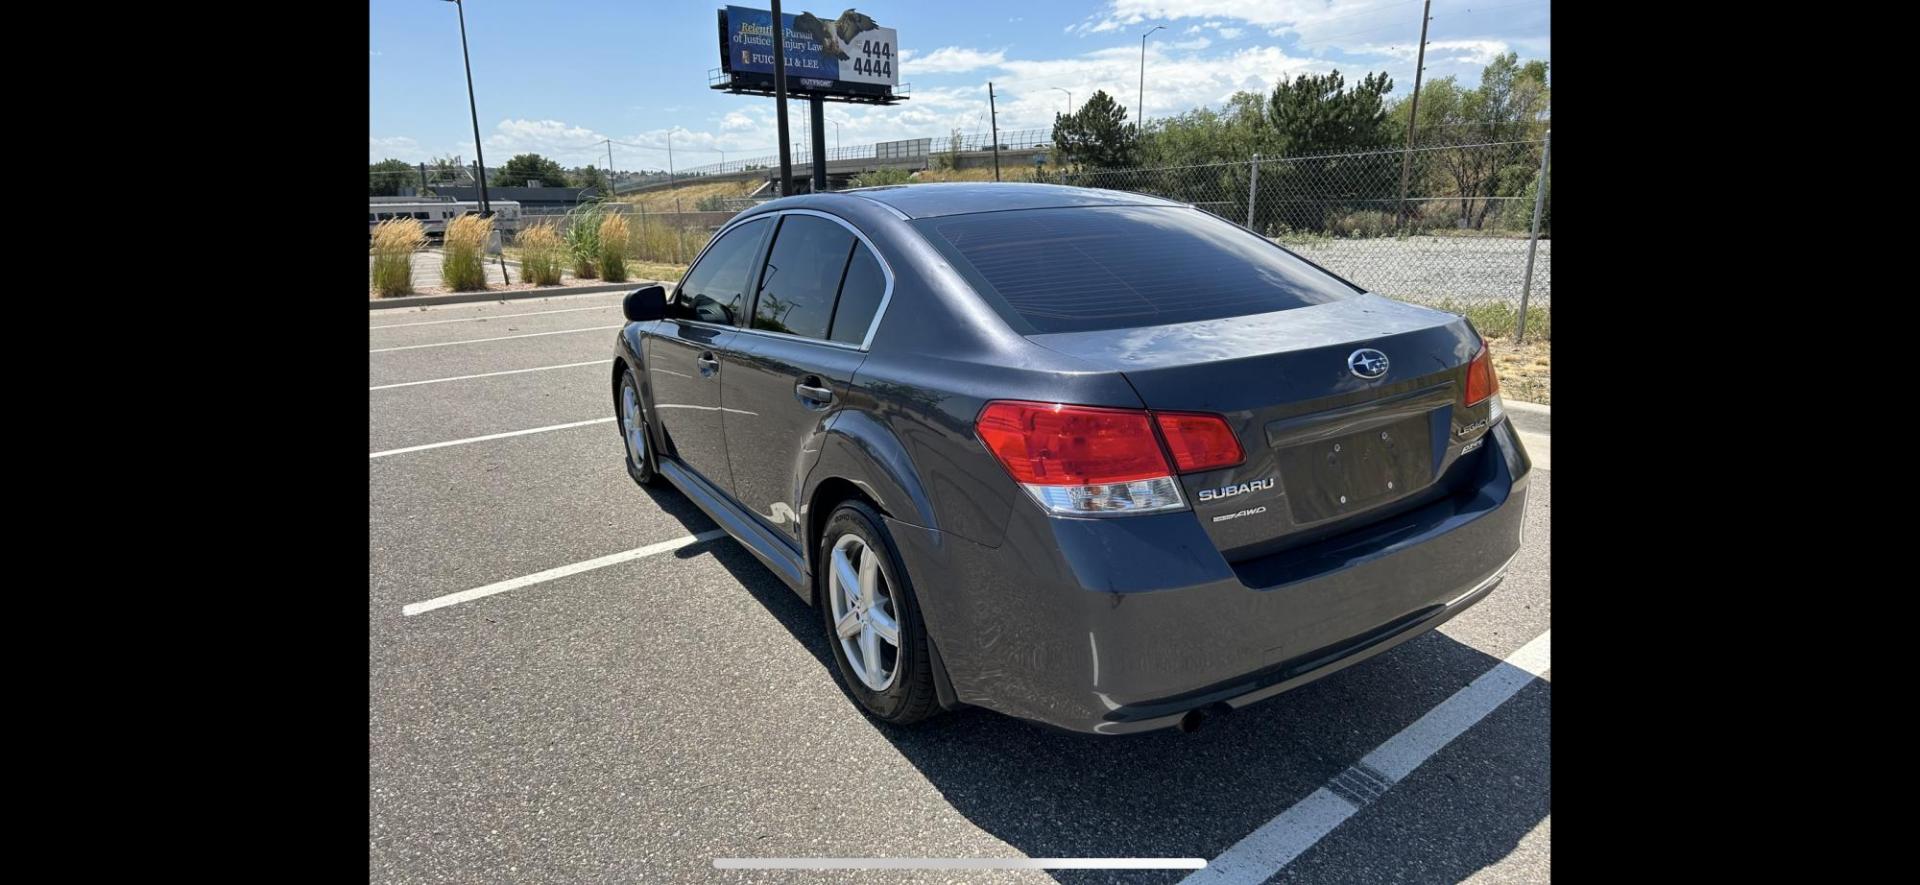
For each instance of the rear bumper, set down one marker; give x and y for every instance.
(1123, 625)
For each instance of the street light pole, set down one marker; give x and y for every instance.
(1140, 105)
(485, 209)
(1069, 100)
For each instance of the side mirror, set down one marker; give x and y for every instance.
(649, 303)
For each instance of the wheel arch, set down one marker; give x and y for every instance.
(861, 458)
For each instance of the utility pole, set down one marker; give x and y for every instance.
(610, 166)
(1413, 110)
(780, 96)
(480, 157)
(1533, 239)
(996, 130)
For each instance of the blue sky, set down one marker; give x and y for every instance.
(557, 77)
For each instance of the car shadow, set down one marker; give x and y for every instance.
(1049, 793)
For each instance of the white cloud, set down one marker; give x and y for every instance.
(1195, 43)
(1466, 52)
(1176, 81)
(1329, 25)
(393, 146)
(736, 121)
(948, 60)
(565, 143)
(1259, 12)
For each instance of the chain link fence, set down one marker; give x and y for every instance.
(1469, 230)
(1459, 236)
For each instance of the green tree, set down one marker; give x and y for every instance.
(1318, 114)
(591, 177)
(1204, 135)
(1096, 135)
(387, 177)
(532, 167)
(1489, 134)
(448, 170)
(1338, 138)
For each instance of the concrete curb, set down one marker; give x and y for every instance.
(1519, 406)
(465, 297)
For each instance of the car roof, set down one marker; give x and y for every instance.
(961, 198)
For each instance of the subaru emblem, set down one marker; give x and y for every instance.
(1368, 363)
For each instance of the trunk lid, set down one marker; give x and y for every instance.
(1326, 449)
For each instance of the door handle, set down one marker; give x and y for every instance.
(709, 365)
(811, 394)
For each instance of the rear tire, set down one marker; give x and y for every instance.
(631, 411)
(865, 595)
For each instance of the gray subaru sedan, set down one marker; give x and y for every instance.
(1089, 458)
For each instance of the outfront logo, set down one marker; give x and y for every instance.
(1368, 363)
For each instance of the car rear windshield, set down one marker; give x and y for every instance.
(1087, 269)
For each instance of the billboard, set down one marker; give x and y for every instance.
(847, 55)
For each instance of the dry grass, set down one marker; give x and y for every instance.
(1007, 173)
(688, 196)
(543, 255)
(394, 242)
(613, 248)
(463, 267)
(654, 240)
(651, 270)
(1525, 370)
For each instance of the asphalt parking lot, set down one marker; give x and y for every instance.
(586, 717)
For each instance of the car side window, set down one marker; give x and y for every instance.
(715, 289)
(860, 295)
(802, 278)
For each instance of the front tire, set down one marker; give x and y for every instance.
(632, 412)
(872, 618)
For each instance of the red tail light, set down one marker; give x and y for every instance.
(1199, 442)
(1052, 444)
(1481, 381)
(1089, 461)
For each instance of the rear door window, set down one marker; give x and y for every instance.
(802, 277)
(1116, 267)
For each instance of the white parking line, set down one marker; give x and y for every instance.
(958, 863)
(485, 340)
(475, 439)
(553, 573)
(1276, 843)
(489, 374)
(499, 316)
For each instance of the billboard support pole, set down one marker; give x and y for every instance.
(819, 144)
(780, 97)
